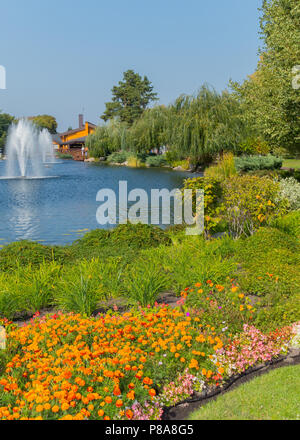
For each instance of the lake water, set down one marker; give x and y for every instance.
(61, 209)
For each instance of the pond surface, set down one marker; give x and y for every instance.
(61, 209)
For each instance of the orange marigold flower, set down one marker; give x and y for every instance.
(129, 414)
(152, 392)
(119, 403)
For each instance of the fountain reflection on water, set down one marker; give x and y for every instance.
(28, 150)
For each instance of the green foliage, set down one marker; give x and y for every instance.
(107, 139)
(202, 126)
(224, 169)
(269, 265)
(37, 286)
(251, 202)
(45, 121)
(269, 102)
(144, 281)
(65, 156)
(149, 131)
(192, 260)
(156, 161)
(223, 307)
(254, 146)
(290, 173)
(130, 98)
(290, 224)
(290, 190)
(212, 196)
(250, 163)
(5, 121)
(82, 287)
(118, 157)
(275, 314)
(23, 253)
(27, 289)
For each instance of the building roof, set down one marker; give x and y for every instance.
(75, 141)
(56, 138)
(75, 130)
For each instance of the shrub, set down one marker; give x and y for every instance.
(81, 287)
(192, 260)
(27, 289)
(269, 265)
(290, 173)
(156, 161)
(224, 169)
(136, 236)
(25, 252)
(251, 202)
(212, 195)
(135, 162)
(118, 157)
(64, 156)
(223, 307)
(250, 163)
(144, 281)
(254, 146)
(290, 190)
(289, 224)
(184, 164)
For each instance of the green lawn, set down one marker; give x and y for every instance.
(291, 163)
(274, 396)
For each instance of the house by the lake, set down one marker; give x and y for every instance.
(73, 141)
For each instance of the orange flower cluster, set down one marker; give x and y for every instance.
(72, 368)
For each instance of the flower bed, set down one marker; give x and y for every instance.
(127, 366)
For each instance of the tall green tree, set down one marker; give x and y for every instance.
(45, 121)
(270, 102)
(202, 126)
(5, 121)
(130, 98)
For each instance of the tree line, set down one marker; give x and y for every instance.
(260, 115)
(257, 116)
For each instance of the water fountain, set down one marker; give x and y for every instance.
(27, 150)
(46, 147)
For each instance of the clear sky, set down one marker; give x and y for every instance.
(65, 55)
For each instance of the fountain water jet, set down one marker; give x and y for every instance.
(27, 149)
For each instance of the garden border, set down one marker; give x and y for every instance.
(183, 409)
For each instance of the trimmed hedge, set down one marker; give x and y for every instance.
(252, 163)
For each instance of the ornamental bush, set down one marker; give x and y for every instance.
(251, 202)
(224, 169)
(118, 157)
(290, 190)
(212, 197)
(156, 161)
(250, 163)
(289, 224)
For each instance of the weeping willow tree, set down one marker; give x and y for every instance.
(193, 127)
(201, 126)
(107, 139)
(149, 131)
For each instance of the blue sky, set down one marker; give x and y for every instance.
(65, 55)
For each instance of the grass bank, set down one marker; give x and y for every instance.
(274, 396)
